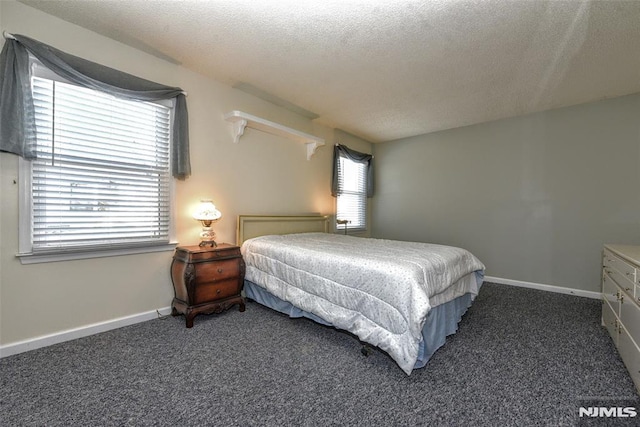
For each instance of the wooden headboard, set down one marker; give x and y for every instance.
(250, 226)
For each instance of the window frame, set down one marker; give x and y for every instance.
(25, 206)
(340, 228)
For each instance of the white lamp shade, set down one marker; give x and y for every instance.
(206, 211)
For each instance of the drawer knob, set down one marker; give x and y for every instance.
(219, 270)
(217, 291)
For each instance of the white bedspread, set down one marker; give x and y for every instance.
(379, 290)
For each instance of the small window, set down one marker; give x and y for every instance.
(102, 177)
(351, 200)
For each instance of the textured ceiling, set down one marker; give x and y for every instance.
(389, 69)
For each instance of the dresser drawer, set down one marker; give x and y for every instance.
(630, 318)
(609, 320)
(212, 291)
(611, 261)
(216, 271)
(610, 292)
(625, 283)
(630, 355)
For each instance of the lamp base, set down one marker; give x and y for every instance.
(207, 237)
(211, 243)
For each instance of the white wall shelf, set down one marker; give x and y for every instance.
(241, 120)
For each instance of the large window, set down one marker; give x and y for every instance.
(102, 176)
(351, 197)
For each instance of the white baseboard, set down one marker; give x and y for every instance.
(96, 328)
(543, 287)
(83, 331)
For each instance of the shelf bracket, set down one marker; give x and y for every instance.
(238, 130)
(311, 148)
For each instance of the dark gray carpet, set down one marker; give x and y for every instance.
(520, 357)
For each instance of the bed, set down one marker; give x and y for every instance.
(402, 297)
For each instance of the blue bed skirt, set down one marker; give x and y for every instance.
(441, 321)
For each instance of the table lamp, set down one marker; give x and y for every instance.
(207, 213)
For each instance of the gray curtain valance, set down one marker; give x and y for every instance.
(356, 156)
(17, 117)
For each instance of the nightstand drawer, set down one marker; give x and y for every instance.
(208, 292)
(220, 270)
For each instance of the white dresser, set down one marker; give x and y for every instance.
(621, 307)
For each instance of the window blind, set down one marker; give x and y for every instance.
(101, 177)
(352, 194)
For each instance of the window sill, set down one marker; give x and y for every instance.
(36, 258)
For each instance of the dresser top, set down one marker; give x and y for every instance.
(628, 252)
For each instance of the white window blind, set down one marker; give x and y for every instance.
(351, 201)
(102, 176)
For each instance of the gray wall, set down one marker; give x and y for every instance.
(534, 197)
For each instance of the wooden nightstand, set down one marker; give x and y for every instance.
(206, 280)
